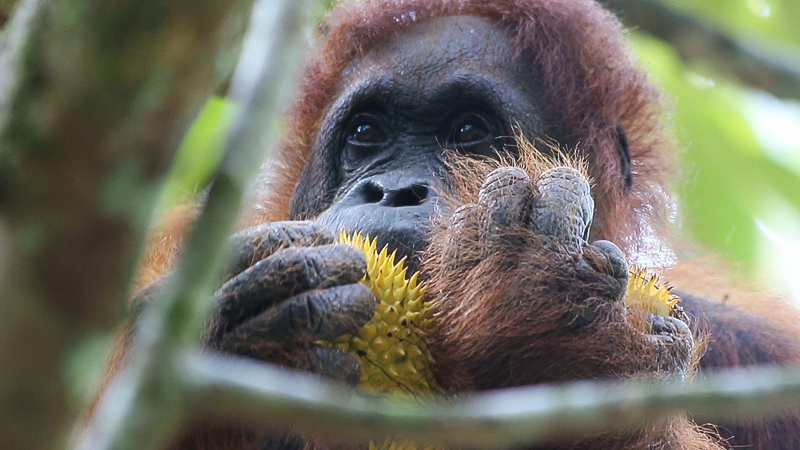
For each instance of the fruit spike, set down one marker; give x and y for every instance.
(645, 291)
(391, 347)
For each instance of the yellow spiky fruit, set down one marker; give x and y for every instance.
(645, 291)
(391, 347)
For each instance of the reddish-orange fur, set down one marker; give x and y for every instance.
(507, 307)
(588, 73)
(164, 244)
(594, 84)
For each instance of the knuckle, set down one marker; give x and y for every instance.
(303, 316)
(328, 313)
(291, 322)
(344, 309)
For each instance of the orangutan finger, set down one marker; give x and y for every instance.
(609, 260)
(323, 314)
(288, 272)
(256, 243)
(606, 258)
(563, 207)
(334, 364)
(673, 343)
(506, 194)
(616, 263)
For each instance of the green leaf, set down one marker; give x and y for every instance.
(199, 152)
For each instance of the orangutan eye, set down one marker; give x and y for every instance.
(365, 130)
(470, 129)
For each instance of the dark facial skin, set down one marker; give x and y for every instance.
(385, 147)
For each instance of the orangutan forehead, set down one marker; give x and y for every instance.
(438, 47)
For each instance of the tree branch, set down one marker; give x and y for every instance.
(145, 405)
(94, 97)
(756, 62)
(261, 393)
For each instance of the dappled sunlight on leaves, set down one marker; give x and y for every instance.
(730, 170)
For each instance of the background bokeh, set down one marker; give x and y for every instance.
(739, 192)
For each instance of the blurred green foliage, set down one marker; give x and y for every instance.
(775, 20)
(740, 188)
(199, 152)
(726, 172)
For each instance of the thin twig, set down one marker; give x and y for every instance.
(262, 393)
(757, 62)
